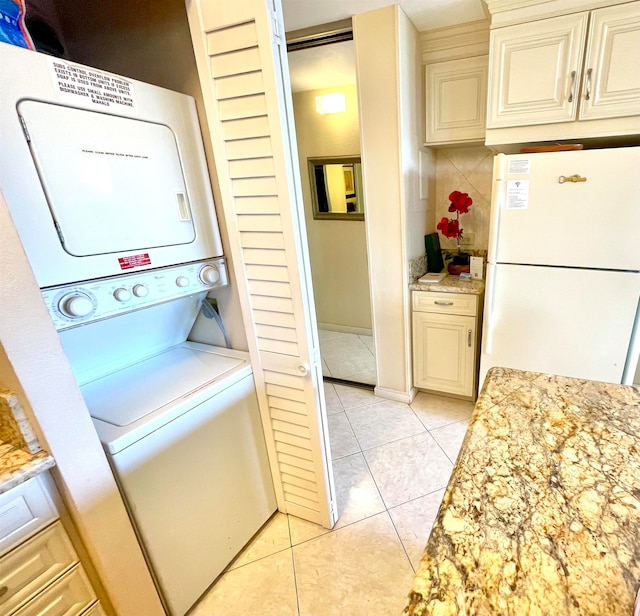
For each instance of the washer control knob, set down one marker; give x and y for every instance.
(182, 281)
(209, 274)
(122, 295)
(76, 305)
(140, 290)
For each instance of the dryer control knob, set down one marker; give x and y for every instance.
(140, 290)
(182, 281)
(209, 274)
(76, 305)
(122, 295)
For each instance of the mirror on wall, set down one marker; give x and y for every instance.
(336, 188)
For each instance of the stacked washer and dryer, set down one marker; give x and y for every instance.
(106, 182)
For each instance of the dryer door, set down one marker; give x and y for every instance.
(113, 184)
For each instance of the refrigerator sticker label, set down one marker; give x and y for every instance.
(517, 194)
(76, 84)
(519, 166)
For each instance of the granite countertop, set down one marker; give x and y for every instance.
(451, 284)
(542, 512)
(21, 456)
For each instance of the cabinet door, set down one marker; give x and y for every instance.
(611, 86)
(456, 100)
(535, 71)
(444, 352)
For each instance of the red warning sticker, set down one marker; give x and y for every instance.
(134, 261)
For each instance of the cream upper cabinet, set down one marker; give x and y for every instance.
(456, 95)
(575, 67)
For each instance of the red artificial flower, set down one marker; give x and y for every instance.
(460, 202)
(449, 228)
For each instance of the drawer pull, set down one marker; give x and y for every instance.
(441, 303)
(3, 591)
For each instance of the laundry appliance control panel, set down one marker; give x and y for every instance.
(80, 303)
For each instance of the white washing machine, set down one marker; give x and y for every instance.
(182, 432)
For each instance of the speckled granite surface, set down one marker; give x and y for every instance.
(451, 284)
(542, 513)
(21, 456)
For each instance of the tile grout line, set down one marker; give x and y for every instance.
(293, 565)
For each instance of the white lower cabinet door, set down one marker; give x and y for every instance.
(69, 596)
(444, 352)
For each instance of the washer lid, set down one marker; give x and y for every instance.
(130, 394)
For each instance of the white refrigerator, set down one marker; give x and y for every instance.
(563, 267)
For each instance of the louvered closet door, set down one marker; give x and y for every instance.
(241, 56)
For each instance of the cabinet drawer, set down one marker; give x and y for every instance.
(69, 596)
(24, 510)
(33, 565)
(445, 303)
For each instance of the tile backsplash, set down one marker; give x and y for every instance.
(469, 170)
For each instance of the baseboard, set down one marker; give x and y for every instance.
(394, 394)
(346, 329)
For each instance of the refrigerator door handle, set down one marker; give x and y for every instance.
(487, 337)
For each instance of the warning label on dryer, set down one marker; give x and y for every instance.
(100, 90)
(134, 261)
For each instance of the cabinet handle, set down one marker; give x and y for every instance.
(573, 86)
(469, 338)
(587, 95)
(3, 590)
(441, 303)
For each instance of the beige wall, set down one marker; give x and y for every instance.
(337, 248)
(382, 37)
(467, 169)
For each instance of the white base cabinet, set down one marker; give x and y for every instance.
(445, 337)
(40, 574)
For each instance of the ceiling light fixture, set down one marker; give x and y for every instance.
(331, 103)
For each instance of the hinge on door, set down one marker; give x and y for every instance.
(315, 356)
(25, 130)
(275, 26)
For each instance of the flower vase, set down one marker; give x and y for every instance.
(459, 264)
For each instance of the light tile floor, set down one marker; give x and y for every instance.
(348, 356)
(391, 463)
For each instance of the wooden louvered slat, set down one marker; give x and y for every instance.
(273, 304)
(263, 223)
(287, 405)
(292, 439)
(243, 107)
(272, 289)
(284, 457)
(243, 84)
(297, 471)
(224, 65)
(248, 148)
(286, 416)
(277, 346)
(286, 380)
(239, 36)
(290, 429)
(278, 319)
(257, 256)
(257, 205)
(294, 451)
(250, 187)
(285, 334)
(306, 494)
(286, 393)
(245, 128)
(249, 239)
(251, 168)
(293, 480)
(273, 273)
(297, 499)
